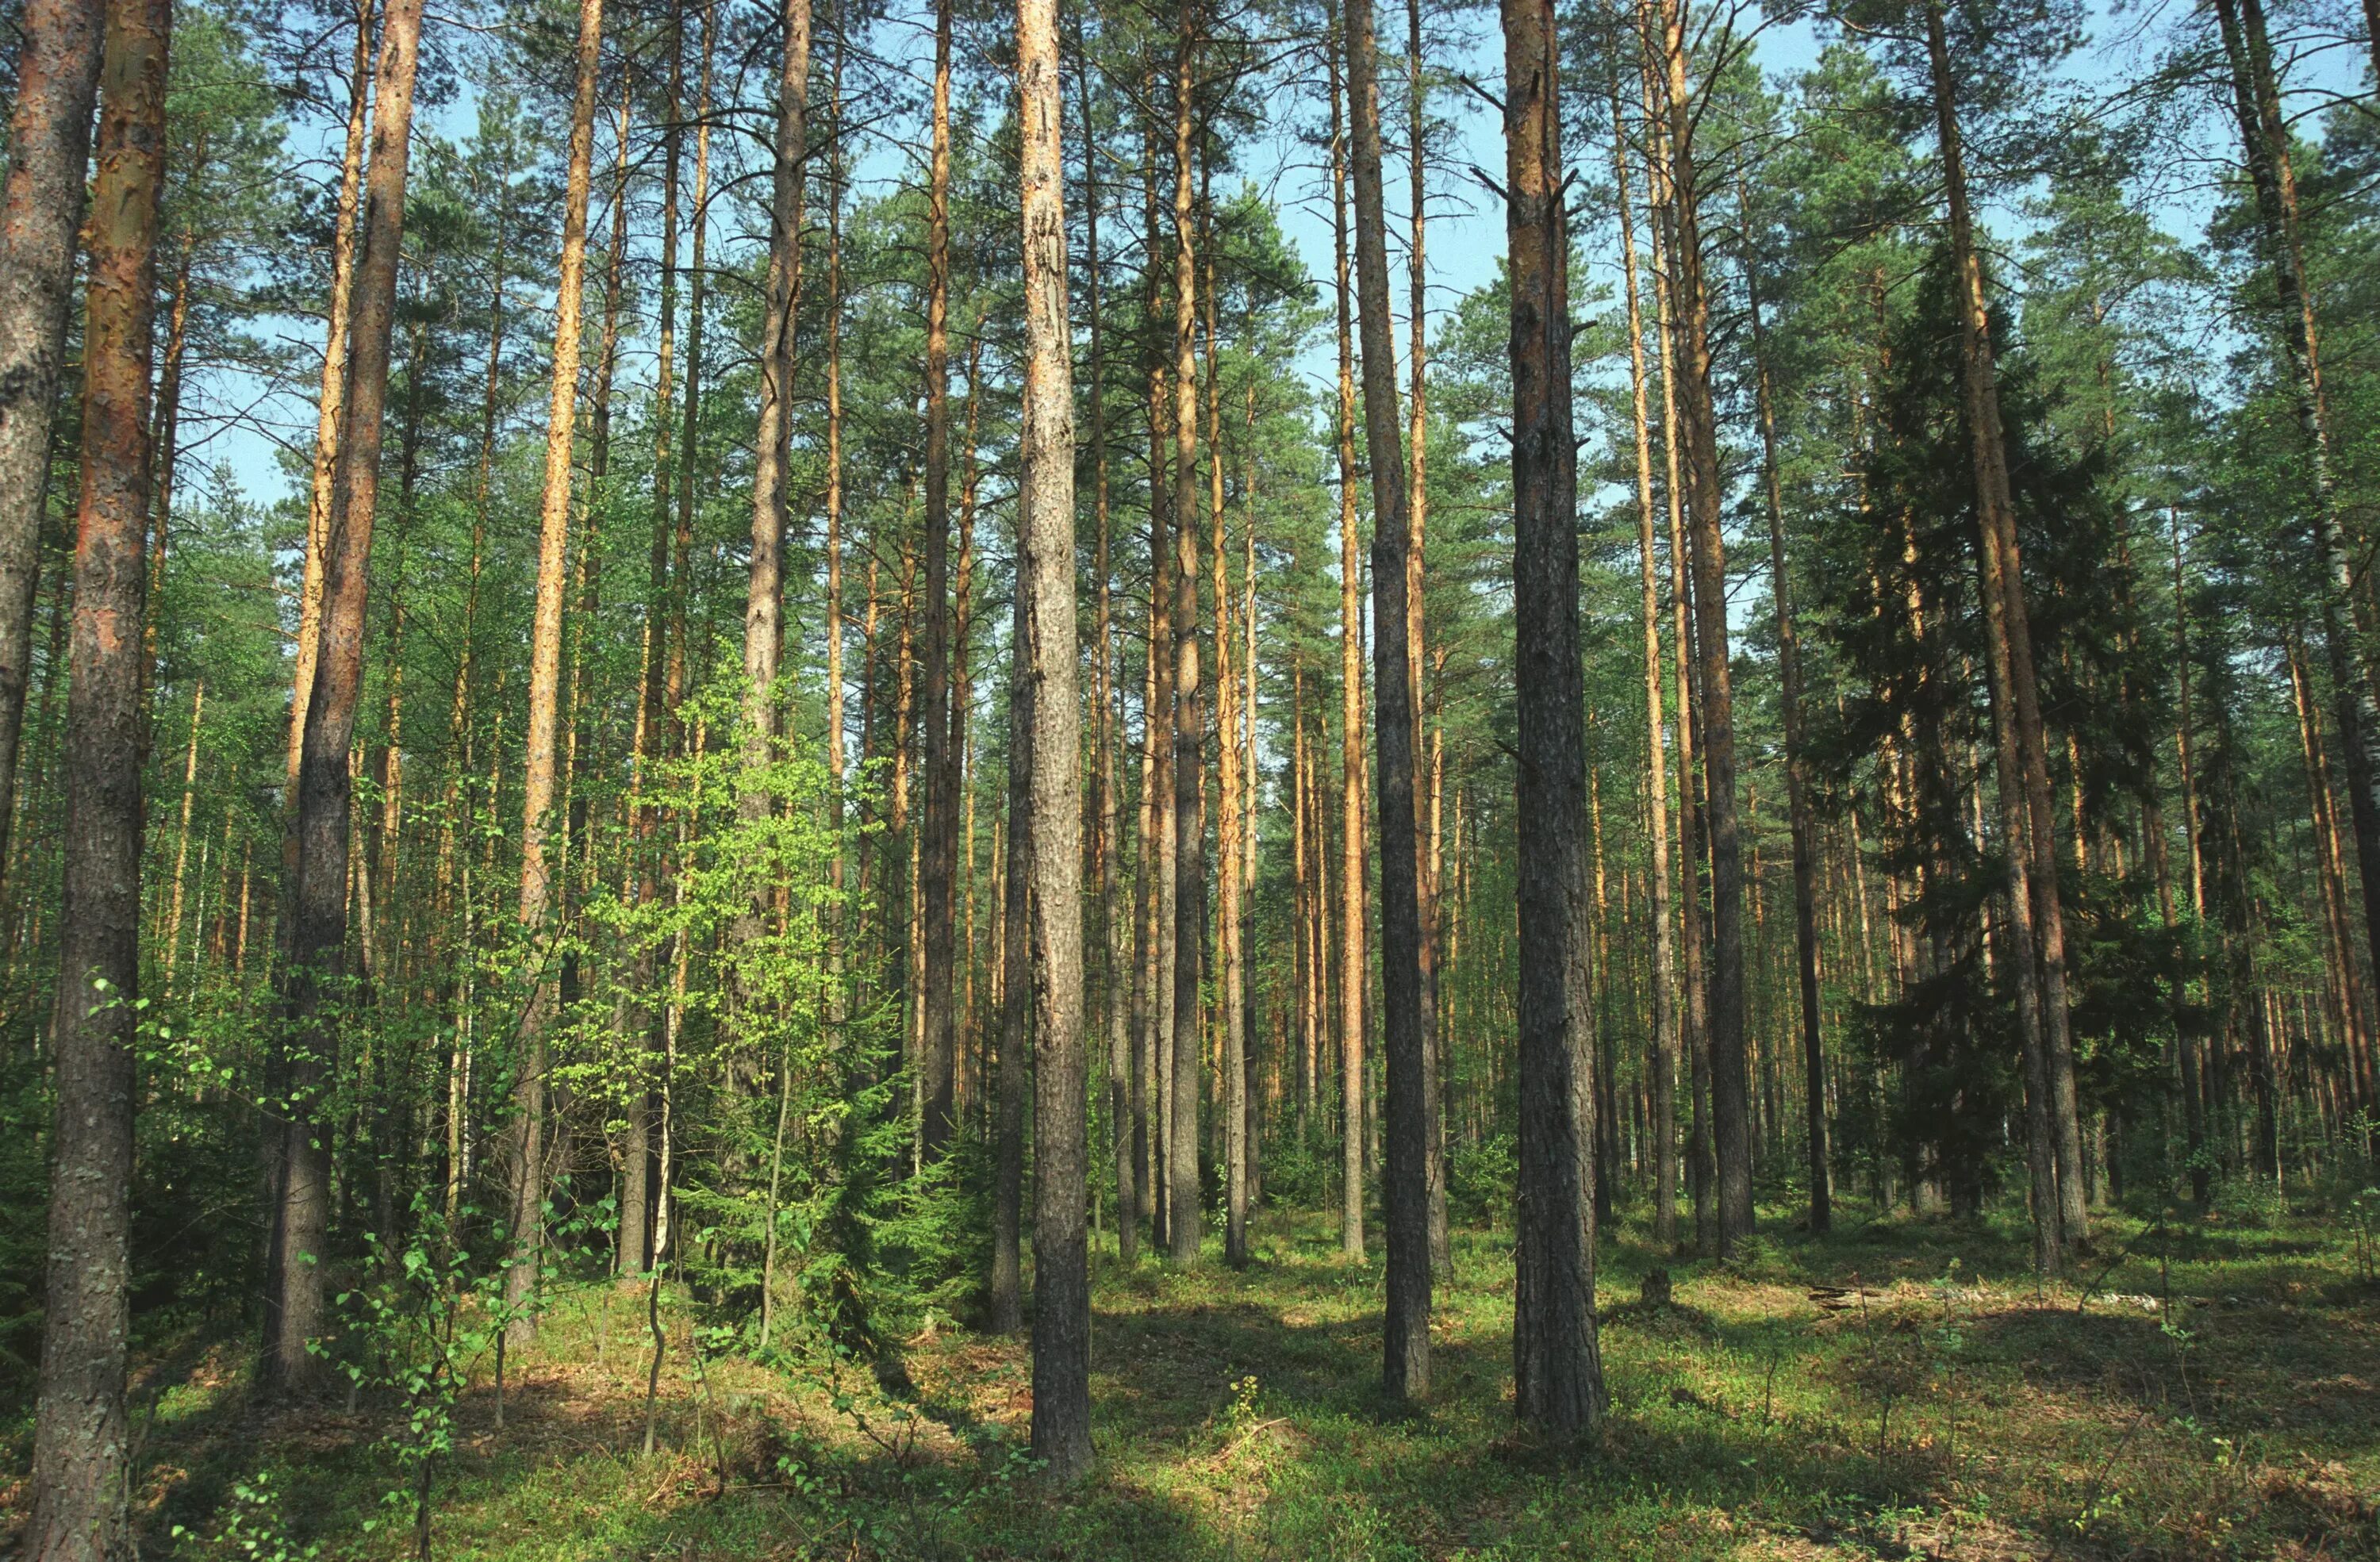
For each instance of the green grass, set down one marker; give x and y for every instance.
(2218, 1396)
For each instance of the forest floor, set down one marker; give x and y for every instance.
(2207, 1390)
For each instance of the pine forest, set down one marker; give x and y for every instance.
(1181, 779)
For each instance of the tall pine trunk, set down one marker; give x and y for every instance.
(1405, 995)
(49, 145)
(1797, 785)
(1006, 1305)
(330, 414)
(1062, 1301)
(1557, 1367)
(1107, 723)
(937, 829)
(527, 1131)
(1731, 1123)
(82, 1439)
(315, 977)
(1350, 707)
(1664, 1056)
(1188, 912)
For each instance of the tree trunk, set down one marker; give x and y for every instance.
(330, 411)
(1350, 711)
(630, 1247)
(1007, 1299)
(2264, 139)
(1232, 994)
(182, 844)
(1797, 786)
(1556, 1366)
(937, 844)
(49, 140)
(1061, 1303)
(1107, 724)
(1731, 1116)
(166, 422)
(1405, 995)
(1664, 1057)
(1695, 1017)
(527, 1133)
(82, 1439)
(1188, 912)
(1252, 1156)
(764, 599)
(2023, 761)
(1442, 1251)
(316, 973)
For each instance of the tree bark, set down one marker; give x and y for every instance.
(49, 143)
(1182, 1222)
(1696, 1015)
(1797, 786)
(330, 408)
(82, 1439)
(1731, 1116)
(1231, 988)
(1664, 1080)
(764, 599)
(1107, 724)
(1061, 1303)
(1405, 995)
(1007, 1300)
(316, 972)
(1351, 708)
(637, 1141)
(528, 1132)
(938, 846)
(1558, 1369)
(1441, 1251)
(182, 844)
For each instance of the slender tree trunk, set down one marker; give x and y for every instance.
(1442, 1251)
(1252, 1156)
(631, 1248)
(1556, 1366)
(329, 410)
(1405, 995)
(1147, 1108)
(1695, 1017)
(1797, 786)
(837, 758)
(2024, 772)
(1188, 912)
(1107, 726)
(1664, 1057)
(938, 848)
(81, 1440)
(764, 599)
(1007, 1298)
(166, 420)
(316, 973)
(527, 1140)
(1731, 1116)
(1350, 707)
(182, 844)
(1061, 1303)
(2263, 138)
(1232, 996)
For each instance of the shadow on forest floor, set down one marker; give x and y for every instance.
(1931, 1400)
